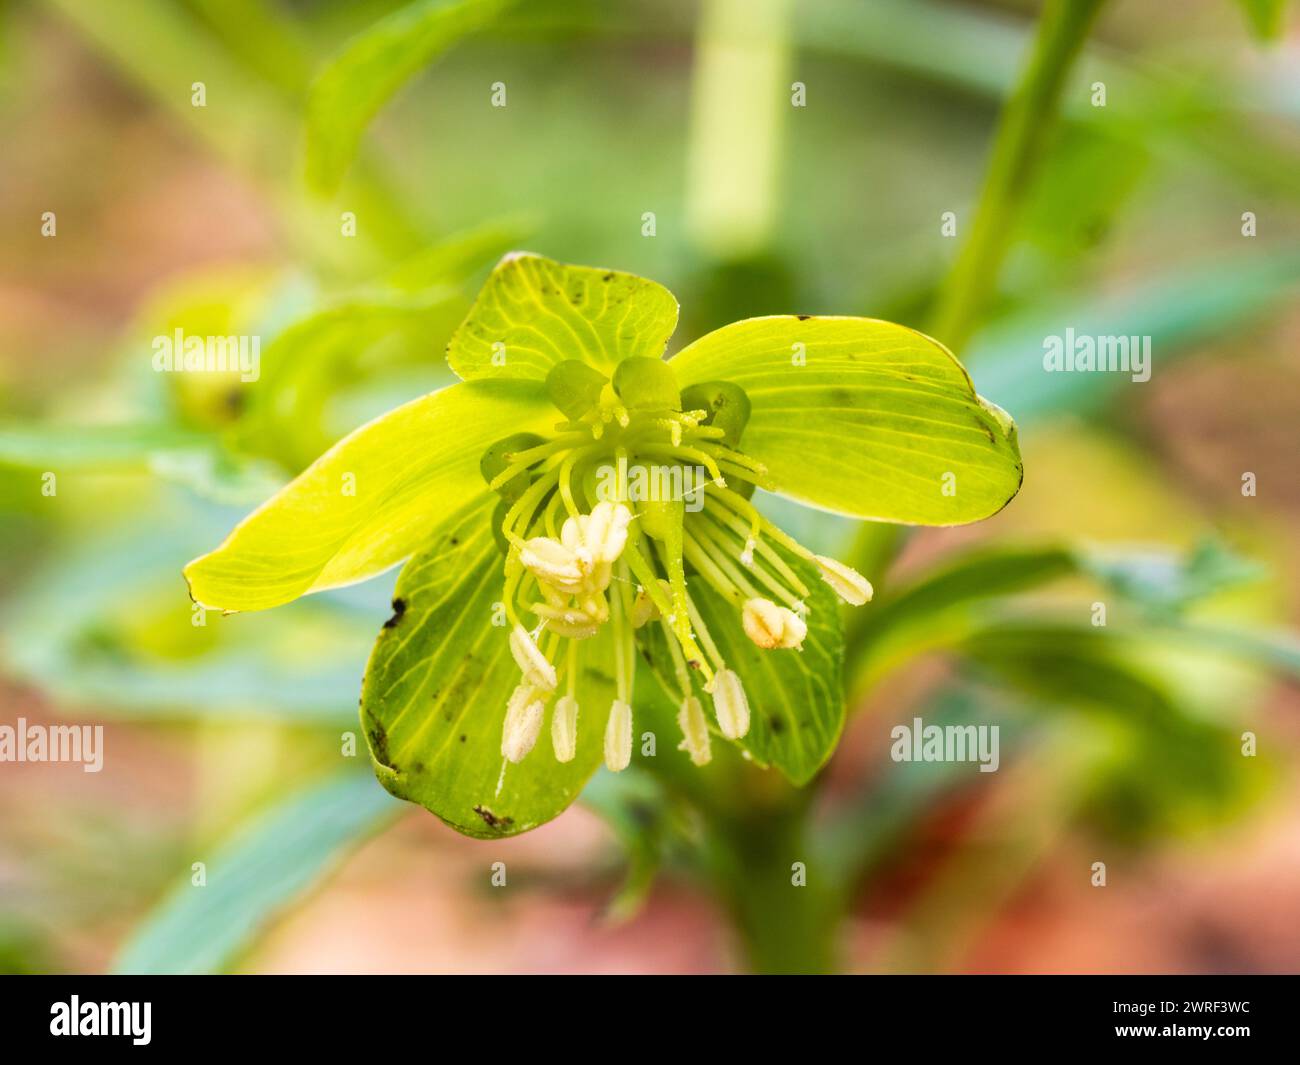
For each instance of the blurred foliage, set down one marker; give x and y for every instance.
(1131, 731)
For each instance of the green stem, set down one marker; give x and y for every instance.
(1017, 150)
(784, 927)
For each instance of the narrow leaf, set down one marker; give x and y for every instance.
(255, 876)
(350, 91)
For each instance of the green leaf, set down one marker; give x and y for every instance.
(1277, 650)
(874, 822)
(182, 455)
(1173, 767)
(376, 63)
(317, 356)
(796, 699)
(534, 313)
(1266, 17)
(434, 698)
(863, 417)
(945, 602)
(1183, 309)
(369, 501)
(1166, 582)
(253, 877)
(636, 808)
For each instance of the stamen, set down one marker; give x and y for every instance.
(769, 625)
(791, 599)
(695, 731)
(709, 570)
(678, 613)
(526, 459)
(523, 722)
(702, 532)
(739, 458)
(624, 648)
(741, 506)
(730, 705)
(679, 661)
(566, 486)
(845, 581)
(685, 455)
(532, 663)
(524, 506)
(564, 728)
(551, 561)
(618, 737)
(702, 631)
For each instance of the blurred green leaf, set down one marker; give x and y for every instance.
(323, 353)
(181, 455)
(254, 876)
(1267, 18)
(1172, 769)
(940, 608)
(458, 257)
(942, 604)
(634, 806)
(1276, 650)
(352, 88)
(106, 622)
(871, 826)
(1167, 582)
(1178, 310)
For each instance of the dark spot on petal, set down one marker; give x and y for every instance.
(608, 277)
(463, 737)
(803, 317)
(379, 743)
(399, 608)
(490, 819)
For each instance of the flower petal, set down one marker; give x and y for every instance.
(535, 313)
(437, 692)
(863, 417)
(369, 501)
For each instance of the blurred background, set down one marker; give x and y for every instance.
(756, 158)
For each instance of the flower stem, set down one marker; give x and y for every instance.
(784, 926)
(1017, 149)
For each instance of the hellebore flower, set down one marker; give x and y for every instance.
(585, 547)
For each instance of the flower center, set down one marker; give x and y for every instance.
(599, 524)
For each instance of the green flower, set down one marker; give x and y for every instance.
(577, 505)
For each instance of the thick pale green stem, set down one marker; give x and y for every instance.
(740, 96)
(780, 900)
(1017, 149)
